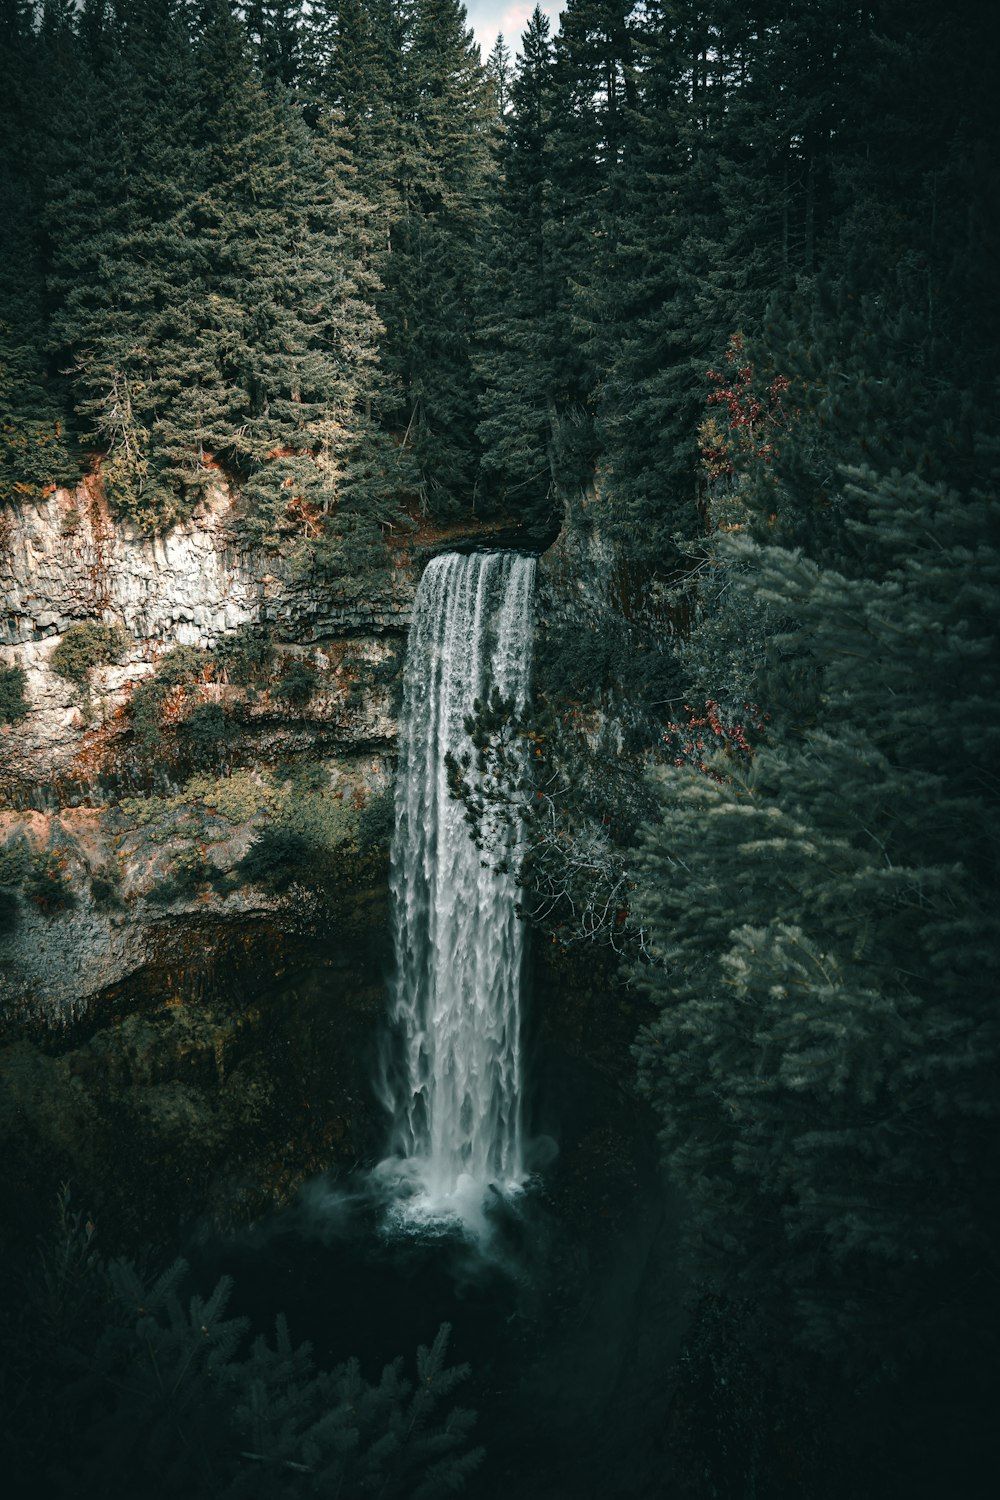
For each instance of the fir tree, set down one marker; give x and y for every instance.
(275, 29)
(517, 355)
(428, 306)
(594, 99)
(126, 275)
(33, 452)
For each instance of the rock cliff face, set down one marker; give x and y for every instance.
(104, 907)
(64, 561)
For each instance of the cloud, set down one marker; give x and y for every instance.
(487, 17)
(515, 18)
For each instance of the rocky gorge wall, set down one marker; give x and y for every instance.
(169, 1021)
(64, 562)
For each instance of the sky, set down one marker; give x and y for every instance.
(487, 17)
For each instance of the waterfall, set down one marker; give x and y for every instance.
(455, 1089)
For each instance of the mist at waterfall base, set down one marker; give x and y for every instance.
(569, 1310)
(550, 1261)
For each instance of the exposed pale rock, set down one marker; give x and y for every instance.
(66, 561)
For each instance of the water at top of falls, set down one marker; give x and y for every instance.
(455, 1087)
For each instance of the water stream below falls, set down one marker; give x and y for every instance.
(453, 1080)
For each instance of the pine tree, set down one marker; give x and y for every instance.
(658, 299)
(498, 71)
(33, 452)
(824, 903)
(440, 186)
(127, 266)
(215, 288)
(594, 99)
(824, 960)
(516, 359)
(275, 28)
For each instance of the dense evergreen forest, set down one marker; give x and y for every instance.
(712, 287)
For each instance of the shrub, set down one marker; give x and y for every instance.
(189, 869)
(85, 646)
(181, 666)
(275, 859)
(297, 685)
(207, 735)
(237, 798)
(247, 655)
(47, 884)
(159, 1392)
(13, 703)
(376, 821)
(307, 843)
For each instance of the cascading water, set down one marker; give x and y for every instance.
(455, 1086)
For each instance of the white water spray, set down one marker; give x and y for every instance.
(456, 1088)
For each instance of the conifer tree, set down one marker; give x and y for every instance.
(659, 306)
(517, 355)
(131, 316)
(441, 181)
(215, 287)
(33, 452)
(498, 71)
(824, 959)
(275, 29)
(824, 904)
(594, 99)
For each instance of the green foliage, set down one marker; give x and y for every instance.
(39, 875)
(297, 685)
(376, 821)
(13, 703)
(305, 843)
(85, 646)
(832, 936)
(276, 858)
(47, 883)
(161, 1393)
(247, 655)
(517, 348)
(206, 736)
(33, 450)
(179, 668)
(237, 798)
(180, 665)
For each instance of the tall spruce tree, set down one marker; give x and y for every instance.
(126, 266)
(33, 451)
(824, 905)
(594, 99)
(276, 32)
(660, 315)
(517, 355)
(440, 184)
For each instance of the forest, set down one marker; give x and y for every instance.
(701, 296)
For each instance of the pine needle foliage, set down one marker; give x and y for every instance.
(163, 1392)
